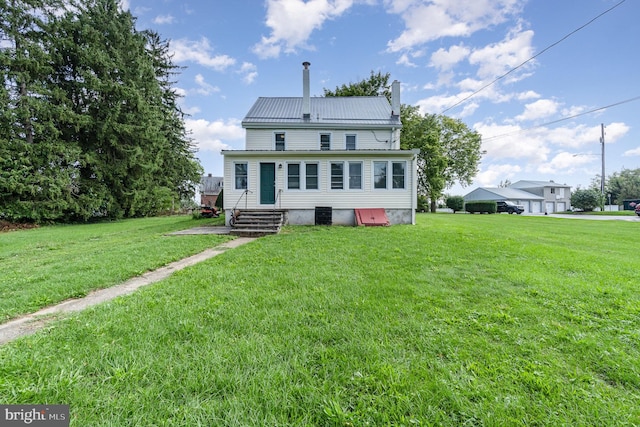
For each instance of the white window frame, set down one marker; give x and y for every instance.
(355, 141)
(246, 176)
(341, 163)
(404, 174)
(299, 164)
(284, 140)
(386, 177)
(320, 140)
(317, 175)
(349, 175)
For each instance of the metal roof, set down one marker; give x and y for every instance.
(325, 111)
(488, 193)
(536, 184)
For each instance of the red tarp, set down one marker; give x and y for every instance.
(371, 216)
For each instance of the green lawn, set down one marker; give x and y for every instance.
(47, 265)
(460, 320)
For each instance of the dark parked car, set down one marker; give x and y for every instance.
(638, 209)
(509, 207)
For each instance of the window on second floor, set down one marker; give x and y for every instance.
(350, 142)
(325, 141)
(279, 141)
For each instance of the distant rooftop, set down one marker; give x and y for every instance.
(536, 184)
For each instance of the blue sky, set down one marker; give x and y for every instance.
(442, 51)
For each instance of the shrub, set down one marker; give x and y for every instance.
(481, 206)
(586, 200)
(220, 201)
(455, 203)
(423, 204)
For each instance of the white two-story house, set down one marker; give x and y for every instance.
(336, 153)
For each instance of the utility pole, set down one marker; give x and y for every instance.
(602, 176)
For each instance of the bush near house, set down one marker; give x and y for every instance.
(455, 203)
(423, 204)
(481, 206)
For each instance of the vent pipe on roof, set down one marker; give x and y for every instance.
(306, 101)
(395, 98)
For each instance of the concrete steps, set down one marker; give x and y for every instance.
(256, 223)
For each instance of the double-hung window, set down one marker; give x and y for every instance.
(355, 176)
(380, 175)
(279, 136)
(241, 176)
(350, 142)
(325, 141)
(293, 176)
(398, 174)
(337, 175)
(311, 176)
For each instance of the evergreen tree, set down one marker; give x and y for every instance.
(36, 166)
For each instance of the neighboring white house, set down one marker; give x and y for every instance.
(535, 196)
(337, 153)
(557, 197)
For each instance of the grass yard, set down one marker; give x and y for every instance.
(44, 266)
(474, 320)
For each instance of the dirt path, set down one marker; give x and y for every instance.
(31, 323)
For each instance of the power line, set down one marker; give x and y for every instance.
(532, 58)
(563, 119)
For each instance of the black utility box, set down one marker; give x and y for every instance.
(324, 215)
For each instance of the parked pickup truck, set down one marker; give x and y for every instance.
(509, 207)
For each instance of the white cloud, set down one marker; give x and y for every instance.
(124, 5)
(205, 88)
(200, 53)
(538, 109)
(209, 136)
(564, 162)
(524, 96)
(509, 141)
(292, 22)
(446, 59)
(428, 20)
(404, 60)
(497, 59)
(163, 19)
(249, 72)
(614, 131)
(631, 153)
(494, 174)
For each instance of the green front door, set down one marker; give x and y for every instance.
(267, 183)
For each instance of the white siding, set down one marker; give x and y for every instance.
(309, 139)
(367, 197)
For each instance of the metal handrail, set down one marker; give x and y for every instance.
(244, 193)
(277, 199)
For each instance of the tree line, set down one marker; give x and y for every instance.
(89, 121)
(450, 152)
